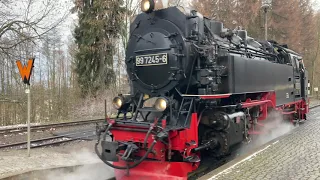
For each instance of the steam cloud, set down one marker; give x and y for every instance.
(277, 127)
(93, 169)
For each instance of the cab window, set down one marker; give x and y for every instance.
(295, 62)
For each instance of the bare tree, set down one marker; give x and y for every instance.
(23, 24)
(28, 20)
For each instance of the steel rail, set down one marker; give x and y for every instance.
(58, 142)
(48, 126)
(47, 139)
(315, 106)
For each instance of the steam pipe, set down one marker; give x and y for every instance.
(234, 115)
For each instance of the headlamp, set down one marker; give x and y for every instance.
(121, 102)
(147, 6)
(161, 104)
(117, 102)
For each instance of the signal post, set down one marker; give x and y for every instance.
(25, 73)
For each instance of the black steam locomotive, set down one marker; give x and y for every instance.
(197, 89)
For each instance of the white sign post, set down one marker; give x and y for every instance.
(28, 121)
(316, 89)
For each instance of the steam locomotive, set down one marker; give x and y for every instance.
(197, 90)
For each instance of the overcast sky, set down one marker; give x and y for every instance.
(316, 5)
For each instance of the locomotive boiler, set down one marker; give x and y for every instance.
(197, 90)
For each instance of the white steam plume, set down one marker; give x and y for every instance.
(275, 125)
(93, 169)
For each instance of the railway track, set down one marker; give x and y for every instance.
(66, 124)
(48, 126)
(55, 140)
(209, 166)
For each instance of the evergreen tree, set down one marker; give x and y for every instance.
(99, 24)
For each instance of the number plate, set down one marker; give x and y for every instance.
(152, 59)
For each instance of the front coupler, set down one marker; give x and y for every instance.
(111, 150)
(145, 151)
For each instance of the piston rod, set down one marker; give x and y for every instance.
(234, 115)
(212, 143)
